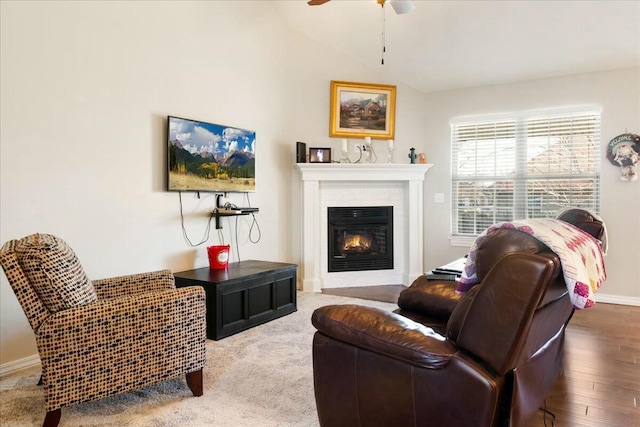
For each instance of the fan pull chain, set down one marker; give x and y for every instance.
(384, 48)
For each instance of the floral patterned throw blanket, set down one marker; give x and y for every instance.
(580, 255)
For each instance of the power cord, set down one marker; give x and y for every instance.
(546, 412)
(237, 245)
(184, 230)
(253, 222)
(227, 205)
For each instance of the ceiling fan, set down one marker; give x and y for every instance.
(400, 6)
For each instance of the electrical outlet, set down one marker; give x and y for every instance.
(438, 198)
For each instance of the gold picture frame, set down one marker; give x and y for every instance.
(359, 110)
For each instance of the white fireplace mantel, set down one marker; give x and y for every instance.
(340, 184)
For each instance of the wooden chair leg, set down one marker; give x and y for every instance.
(194, 381)
(52, 418)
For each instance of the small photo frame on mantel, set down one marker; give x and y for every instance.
(319, 155)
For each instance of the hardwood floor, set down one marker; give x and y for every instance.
(600, 384)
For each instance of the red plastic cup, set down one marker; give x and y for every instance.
(218, 257)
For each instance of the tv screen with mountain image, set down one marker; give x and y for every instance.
(210, 158)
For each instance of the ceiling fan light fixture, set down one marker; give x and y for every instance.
(402, 6)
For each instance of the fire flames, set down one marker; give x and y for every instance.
(357, 243)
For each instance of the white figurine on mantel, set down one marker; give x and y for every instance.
(368, 154)
(389, 150)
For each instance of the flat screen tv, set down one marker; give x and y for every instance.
(207, 157)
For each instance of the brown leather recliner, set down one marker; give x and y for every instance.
(487, 358)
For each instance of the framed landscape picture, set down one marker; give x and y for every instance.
(359, 110)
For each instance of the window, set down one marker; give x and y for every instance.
(523, 165)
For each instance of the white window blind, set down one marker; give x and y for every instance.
(526, 165)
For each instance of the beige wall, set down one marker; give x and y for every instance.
(85, 91)
(616, 92)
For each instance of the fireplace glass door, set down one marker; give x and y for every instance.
(360, 238)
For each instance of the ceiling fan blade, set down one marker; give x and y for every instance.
(402, 6)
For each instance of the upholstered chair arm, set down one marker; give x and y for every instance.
(32, 305)
(113, 287)
(385, 333)
(119, 344)
(431, 298)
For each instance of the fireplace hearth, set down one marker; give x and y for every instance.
(360, 238)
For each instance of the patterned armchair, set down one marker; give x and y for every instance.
(103, 337)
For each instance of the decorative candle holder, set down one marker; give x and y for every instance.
(345, 157)
(389, 150)
(345, 152)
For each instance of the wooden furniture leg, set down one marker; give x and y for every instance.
(194, 381)
(52, 418)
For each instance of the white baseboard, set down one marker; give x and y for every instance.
(617, 299)
(20, 364)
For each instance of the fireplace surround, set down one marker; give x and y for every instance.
(361, 185)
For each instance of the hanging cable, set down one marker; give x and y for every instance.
(237, 244)
(546, 412)
(254, 222)
(205, 237)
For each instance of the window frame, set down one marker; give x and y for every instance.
(521, 120)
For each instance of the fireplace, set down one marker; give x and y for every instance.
(323, 185)
(360, 238)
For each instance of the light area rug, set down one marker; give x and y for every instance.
(259, 377)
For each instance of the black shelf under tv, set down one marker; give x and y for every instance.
(230, 211)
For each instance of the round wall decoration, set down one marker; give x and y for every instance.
(624, 151)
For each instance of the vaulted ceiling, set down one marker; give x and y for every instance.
(445, 45)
